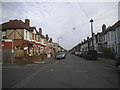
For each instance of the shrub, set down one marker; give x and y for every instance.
(107, 50)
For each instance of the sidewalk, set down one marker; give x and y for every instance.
(32, 64)
(108, 61)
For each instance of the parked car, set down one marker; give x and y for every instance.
(77, 53)
(81, 54)
(90, 54)
(60, 55)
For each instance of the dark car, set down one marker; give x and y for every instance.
(60, 55)
(90, 54)
(82, 54)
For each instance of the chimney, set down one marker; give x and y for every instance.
(40, 31)
(103, 27)
(27, 22)
(47, 37)
(87, 38)
(50, 40)
(84, 40)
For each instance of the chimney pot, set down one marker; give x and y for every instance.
(84, 40)
(47, 37)
(40, 31)
(87, 38)
(27, 22)
(50, 40)
(103, 27)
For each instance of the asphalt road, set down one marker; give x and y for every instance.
(71, 72)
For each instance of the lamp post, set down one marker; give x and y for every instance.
(92, 33)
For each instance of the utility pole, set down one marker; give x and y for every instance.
(58, 39)
(92, 33)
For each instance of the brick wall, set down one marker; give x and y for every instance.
(7, 45)
(30, 59)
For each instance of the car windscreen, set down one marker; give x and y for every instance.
(61, 53)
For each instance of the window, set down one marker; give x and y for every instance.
(30, 36)
(4, 35)
(26, 34)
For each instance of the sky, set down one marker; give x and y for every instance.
(66, 21)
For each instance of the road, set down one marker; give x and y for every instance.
(71, 72)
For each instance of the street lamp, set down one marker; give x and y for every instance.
(92, 32)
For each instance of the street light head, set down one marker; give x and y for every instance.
(91, 20)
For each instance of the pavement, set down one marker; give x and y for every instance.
(32, 64)
(108, 61)
(50, 61)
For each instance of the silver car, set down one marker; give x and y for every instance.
(60, 55)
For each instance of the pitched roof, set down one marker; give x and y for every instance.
(42, 36)
(111, 28)
(16, 24)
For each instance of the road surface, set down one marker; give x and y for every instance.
(71, 72)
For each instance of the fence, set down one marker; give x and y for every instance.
(30, 59)
(20, 56)
(7, 55)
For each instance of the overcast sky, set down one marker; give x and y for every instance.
(68, 20)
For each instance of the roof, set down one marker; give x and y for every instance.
(117, 24)
(16, 24)
(111, 28)
(42, 36)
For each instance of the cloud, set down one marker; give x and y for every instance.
(59, 18)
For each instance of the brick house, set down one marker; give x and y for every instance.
(23, 40)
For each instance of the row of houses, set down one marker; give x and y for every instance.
(106, 42)
(23, 42)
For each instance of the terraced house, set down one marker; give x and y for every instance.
(107, 42)
(21, 41)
